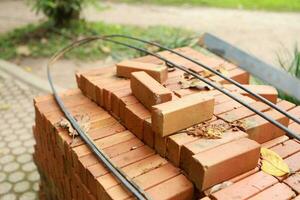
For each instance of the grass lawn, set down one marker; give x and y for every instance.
(42, 41)
(272, 5)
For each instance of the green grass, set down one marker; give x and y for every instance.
(292, 66)
(272, 5)
(42, 41)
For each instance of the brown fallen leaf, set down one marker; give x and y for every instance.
(83, 121)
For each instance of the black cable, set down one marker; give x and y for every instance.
(264, 100)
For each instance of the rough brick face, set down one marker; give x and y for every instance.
(170, 117)
(158, 72)
(148, 91)
(234, 158)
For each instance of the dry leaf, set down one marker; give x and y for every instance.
(223, 70)
(218, 187)
(23, 50)
(272, 163)
(83, 121)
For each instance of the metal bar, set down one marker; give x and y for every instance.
(267, 73)
(264, 100)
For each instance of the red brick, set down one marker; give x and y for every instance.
(176, 188)
(167, 118)
(230, 105)
(279, 191)
(116, 98)
(174, 145)
(242, 112)
(236, 74)
(236, 157)
(148, 134)
(247, 187)
(266, 91)
(160, 144)
(202, 144)
(285, 105)
(113, 87)
(156, 176)
(294, 127)
(148, 91)
(158, 72)
(134, 170)
(262, 130)
(275, 142)
(126, 101)
(295, 112)
(123, 147)
(293, 162)
(244, 175)
(287, 148)
(294, 182)
(134, 118)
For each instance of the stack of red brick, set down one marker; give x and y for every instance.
(149, 101)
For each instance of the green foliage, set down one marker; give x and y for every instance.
(292, 66)
(276, 5)
(60, 12)
(43, 40)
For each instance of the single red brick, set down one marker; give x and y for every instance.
(266, 91)
(247, 187)
(243, 112)
(236, 157)
(295, 112)
(135, 115)
(244, 175)
(203, 144)
(287, 148)
(148, 91)
(275, 141)
(236, 74)
(148, 134)
(230, 105)
(262, 130)
(172, 116)
(279, 191)
(294, 182)
(158, 72)
(285, 105)
(294, 127)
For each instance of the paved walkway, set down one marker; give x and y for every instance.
(19, 178)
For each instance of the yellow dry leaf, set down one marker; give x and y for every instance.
(272, 163)
(223, 70)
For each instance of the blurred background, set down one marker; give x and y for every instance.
(33, 30)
